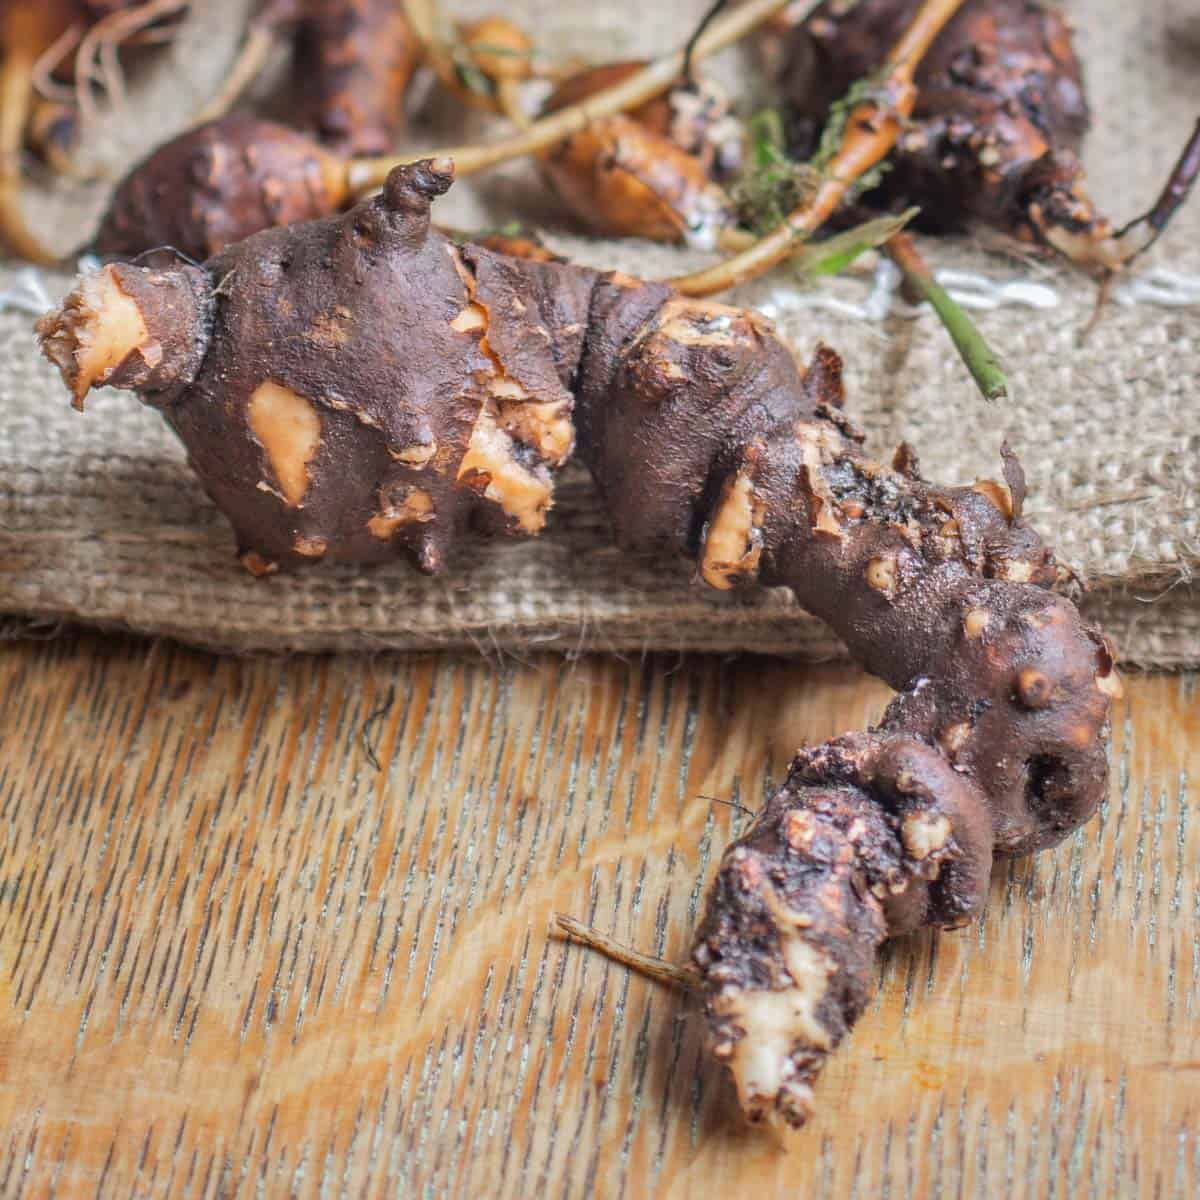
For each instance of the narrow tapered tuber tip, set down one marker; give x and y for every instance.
(562, 925)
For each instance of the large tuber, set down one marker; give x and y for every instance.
(361, 387)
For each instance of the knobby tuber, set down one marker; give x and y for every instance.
(656, 172)
(995, 132)
(228, 177)
(361, 387)
(872, 126)
(214, 185)
(352, 60)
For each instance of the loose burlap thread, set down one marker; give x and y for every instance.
(102, 523)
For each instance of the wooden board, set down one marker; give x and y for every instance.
(236, 957)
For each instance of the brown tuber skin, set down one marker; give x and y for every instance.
(241, 170)
(236, 175)
(652, 172)
(201, 192)
(361, 387)
(997, 126)
(353, 62)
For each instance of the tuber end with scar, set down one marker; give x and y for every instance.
(130, 327)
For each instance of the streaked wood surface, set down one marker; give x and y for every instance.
(236, 958)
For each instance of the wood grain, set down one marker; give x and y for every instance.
(236, 958)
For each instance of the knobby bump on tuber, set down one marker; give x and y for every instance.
(362, 387)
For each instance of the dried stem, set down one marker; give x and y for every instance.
(682, 976)
(44, 82)
(16, 92)
(424, 18)
(1141, 233)
(985, 368)
(365, 174)
(872, 128)
(508, 97)
(113, 30)
(260, 43)
(714, 10)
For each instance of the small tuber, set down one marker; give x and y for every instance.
(352, 60)
(653, 172)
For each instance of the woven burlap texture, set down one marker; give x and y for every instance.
(101, 522)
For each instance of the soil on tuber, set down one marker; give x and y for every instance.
(362, 387)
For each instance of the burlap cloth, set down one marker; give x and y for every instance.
(101, 522)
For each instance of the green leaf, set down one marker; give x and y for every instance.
(833, 255)
(772, 184)
(767, 138)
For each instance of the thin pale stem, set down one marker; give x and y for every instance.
(905, 56)
(260, 42)
(1141, 233)
(870, 135)
(43, 72)
(983, 364)
(674, 974)
(114, 29)
(366, 173)
(508, 97)
(16, 94)
(424, 18)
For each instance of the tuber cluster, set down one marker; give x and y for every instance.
(361, 387)
(235, 175)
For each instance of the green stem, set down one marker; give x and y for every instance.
(983, 364)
